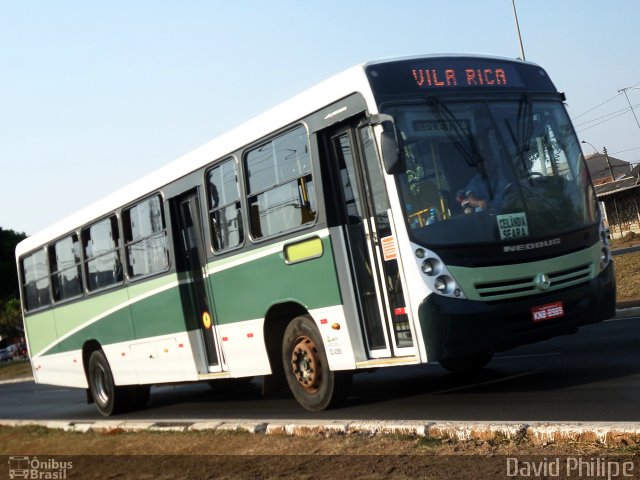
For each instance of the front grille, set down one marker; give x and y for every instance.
(520, 287)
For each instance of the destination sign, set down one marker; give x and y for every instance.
(410, 76)
(471, 77)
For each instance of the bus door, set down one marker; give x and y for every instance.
(191, 266)
(371, 243)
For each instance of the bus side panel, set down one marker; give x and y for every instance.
(104, 318)
(161, 359)
(41, 332)
(244, 348)
(156, 308)
(151, 311)
(247, 290)
(64, 369)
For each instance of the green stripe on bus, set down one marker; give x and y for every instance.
(246, 291)
(160, 314)
(46, 327)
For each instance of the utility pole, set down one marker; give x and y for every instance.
(515, 15)
(606, 155)
(629, 101)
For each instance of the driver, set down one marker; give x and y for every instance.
(487, 188)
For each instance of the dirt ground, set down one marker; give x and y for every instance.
(229, 455)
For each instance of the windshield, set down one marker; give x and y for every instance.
(491, 171)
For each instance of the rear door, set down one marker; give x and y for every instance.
(191, 266)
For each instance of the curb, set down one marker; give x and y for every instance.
(538, 433)
(17, 380)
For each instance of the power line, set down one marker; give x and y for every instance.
(604, 121)
(599, 105)
(606, 101)
(627, 150)
(624, 110)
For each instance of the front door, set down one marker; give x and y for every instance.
(371, 243)
(190, 263)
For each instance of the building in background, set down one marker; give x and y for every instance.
(618, 189)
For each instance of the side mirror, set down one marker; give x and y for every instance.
(389, 145)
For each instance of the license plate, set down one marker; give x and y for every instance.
(549, 311)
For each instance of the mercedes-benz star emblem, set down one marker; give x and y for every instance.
(543, 282)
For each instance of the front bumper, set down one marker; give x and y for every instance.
(455, 328)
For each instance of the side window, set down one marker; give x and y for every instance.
(281, 191)
(145, 238)
(36, 280)
(65, 265)
(225, 213)
(101, 242)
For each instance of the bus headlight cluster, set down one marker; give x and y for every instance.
(437, 276)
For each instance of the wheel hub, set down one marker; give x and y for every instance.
(101, 392)
(305, 362)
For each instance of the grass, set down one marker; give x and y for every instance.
(15, 369)
(627, 276)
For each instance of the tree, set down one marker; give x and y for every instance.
(8, 272)
(11, 319)
(10, 310)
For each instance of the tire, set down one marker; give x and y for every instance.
(109, 398)
(468, 363)
(306, 368)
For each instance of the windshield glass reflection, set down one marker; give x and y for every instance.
(491, 171)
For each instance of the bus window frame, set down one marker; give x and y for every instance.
(121, 217)
(83, 283)
(120, 248)
(245, 178)
(240, 176)
(23, 284)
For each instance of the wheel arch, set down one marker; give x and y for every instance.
(275, 322)
(88, 348)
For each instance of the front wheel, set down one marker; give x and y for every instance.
(306, 368)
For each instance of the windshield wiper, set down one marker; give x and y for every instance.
(463, 141)
(522, 137)
(525, 123)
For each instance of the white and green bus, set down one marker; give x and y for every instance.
(426, 209)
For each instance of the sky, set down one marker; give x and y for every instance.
(94, 95)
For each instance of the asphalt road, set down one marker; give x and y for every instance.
(590, 376)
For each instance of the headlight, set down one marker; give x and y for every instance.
(604, 258)
(431, 266)
(442, 284)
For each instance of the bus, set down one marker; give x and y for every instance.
(425, 209)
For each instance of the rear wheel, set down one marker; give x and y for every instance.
(109, 398)
(468, 363)
(306, 368)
